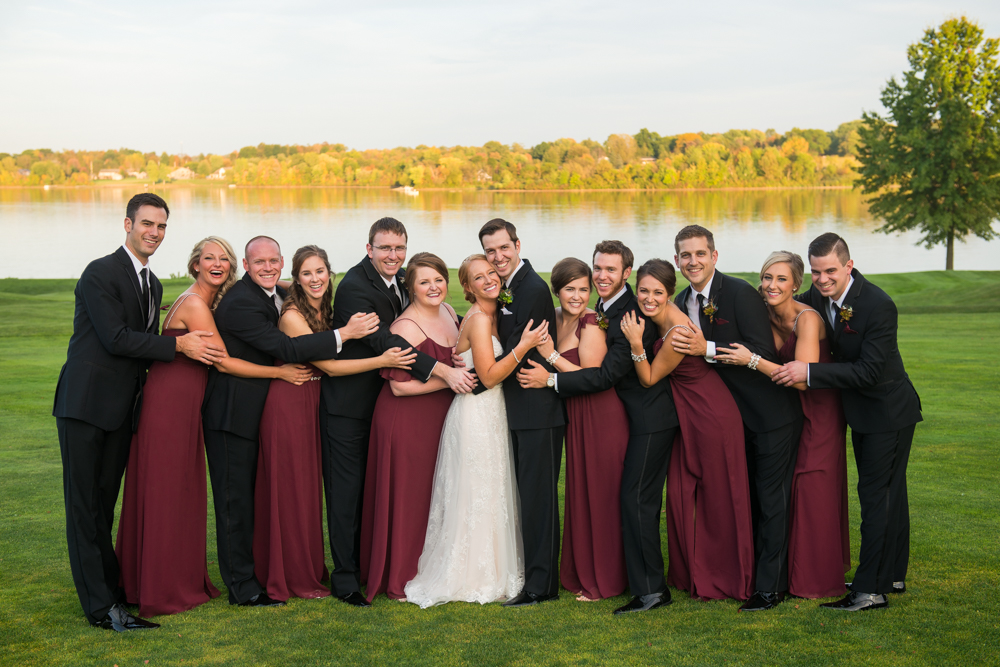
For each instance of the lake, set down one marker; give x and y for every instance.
(78, 225)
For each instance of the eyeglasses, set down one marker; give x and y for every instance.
(389, 249)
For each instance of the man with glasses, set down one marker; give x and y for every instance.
(374, 285)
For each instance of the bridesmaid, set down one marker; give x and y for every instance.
(406, 430)
(819, 549)
(710, 534)
(288, 496)
(593, 558)
(161, 531)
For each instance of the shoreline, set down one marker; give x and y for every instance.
(225, 186)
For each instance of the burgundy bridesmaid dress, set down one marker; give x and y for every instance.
(161, 531)
(288, 496)
(819, 547)
(709, 527)
(593, 557)
(402, 453)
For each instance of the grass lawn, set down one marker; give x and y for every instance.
(949, 329)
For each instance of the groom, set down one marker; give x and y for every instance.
(535, 416)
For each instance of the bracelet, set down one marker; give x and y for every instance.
(514, 354)
(754, 358)
(639, 357)
(552, 357)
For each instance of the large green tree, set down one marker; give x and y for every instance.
(933, 161)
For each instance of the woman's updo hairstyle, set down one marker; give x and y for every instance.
(660, 271)
(566, 271)
(794, 263)
(427, 260)
(463, 275)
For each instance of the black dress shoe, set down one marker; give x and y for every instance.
(645, 603)
(526, 599)
(119, 620)
(762, 601)
(262, 600)
(898, 587)
(355, 599)
(858, 602)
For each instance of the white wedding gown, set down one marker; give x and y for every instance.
(472, 549)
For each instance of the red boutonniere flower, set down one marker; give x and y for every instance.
(710, 310)
(602, 321)
(846, 314)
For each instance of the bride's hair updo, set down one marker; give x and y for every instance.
(660, 271)
(794, 263)
(463, 275)
(195, 257)
(566, 271)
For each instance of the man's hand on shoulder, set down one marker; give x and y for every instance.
(198, 346)
(359, 326)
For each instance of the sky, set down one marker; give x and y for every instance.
(207, 76)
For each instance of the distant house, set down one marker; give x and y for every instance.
(218, 175)
(181, 174)
(647, 160)
(482, 176)
(137, 174)
(109, 175)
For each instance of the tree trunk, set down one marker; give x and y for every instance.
(950, 261)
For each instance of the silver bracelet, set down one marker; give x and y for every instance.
(552, 357)
(754, 358)
(639, 357)
(514, 354)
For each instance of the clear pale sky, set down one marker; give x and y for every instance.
(214, 76)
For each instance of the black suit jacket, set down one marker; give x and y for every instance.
(649, 410)
(742, 318)
(528, 408)
(248, 323)
(362, 290)
(112, 345)
(876, 391)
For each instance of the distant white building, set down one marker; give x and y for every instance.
(647, 160)
(109, 175)
(137, 174)
(482, 176)
(182, 174)
(218, 175)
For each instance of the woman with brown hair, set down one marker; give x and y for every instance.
(288, 497)
(593, 557)
(161, 532)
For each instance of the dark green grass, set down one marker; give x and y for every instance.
(948, 335)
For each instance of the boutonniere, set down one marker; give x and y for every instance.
(602, 321)
(710, 310)
(846, 314)
(506, 297)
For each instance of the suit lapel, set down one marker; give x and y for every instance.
(133, 279)
(852, 294)
(262, 295)
(376, 279)
(519, 276)
(619, 306)
(714, 296)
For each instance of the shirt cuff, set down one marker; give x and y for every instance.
(340, 343)
(710, 351)
(807, 375)
(431, 374)
(555, 379)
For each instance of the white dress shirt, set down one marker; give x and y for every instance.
(137, 263)
(695, 314)
(831, 314)
(510, 278)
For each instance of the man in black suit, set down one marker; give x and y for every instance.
(374, 285)
(98, 398)
(652, 425)
(728, 310)
(247, 319)
(881, 407)
(535, 417)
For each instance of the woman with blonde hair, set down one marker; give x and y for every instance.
(161, 532)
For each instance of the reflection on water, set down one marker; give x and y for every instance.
(73, 226)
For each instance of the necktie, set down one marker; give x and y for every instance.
(145, 291)
(277, 306)
(397, 302)
(600, 307)
(833, 314)
(702, 318)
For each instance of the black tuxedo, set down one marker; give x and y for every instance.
(247, 320)
(652, 428)
(537, 426)
(772, 418)
(96, 404)
(882, 408)
(347, 405)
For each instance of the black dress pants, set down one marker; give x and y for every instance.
(345, 460)
(647, 460)
(885, 513)
(771, 467)
(537, 459)
(94, 461)
(232, 464)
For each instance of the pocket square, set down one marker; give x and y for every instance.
(848, 329)
(719, 320)
(504, 311)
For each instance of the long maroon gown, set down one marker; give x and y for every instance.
(819, 547)
(288, 495)
(402, 453)
(709, 527)
(161, 531)
(593, 558)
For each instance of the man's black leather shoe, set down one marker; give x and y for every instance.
(526, 599)
(898, 587)
(355, 599)
(261, 600)
(119, 620)
(858, 602)
(645, 603)
(762, 600)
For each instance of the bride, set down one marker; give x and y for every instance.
(472, 549)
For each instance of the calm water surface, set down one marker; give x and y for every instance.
(55, 233)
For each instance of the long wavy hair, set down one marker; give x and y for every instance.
(318, 320)
(195, 257)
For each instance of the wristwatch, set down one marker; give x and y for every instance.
(551, 382)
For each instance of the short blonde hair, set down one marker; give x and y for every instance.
(793, 261)
(195, 257)
(463, 275)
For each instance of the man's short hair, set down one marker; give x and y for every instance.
(388, 226)
(615, 248)
(246, 248)
(694, 232)
(494, 226)
(144, 199)
(824, 244)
